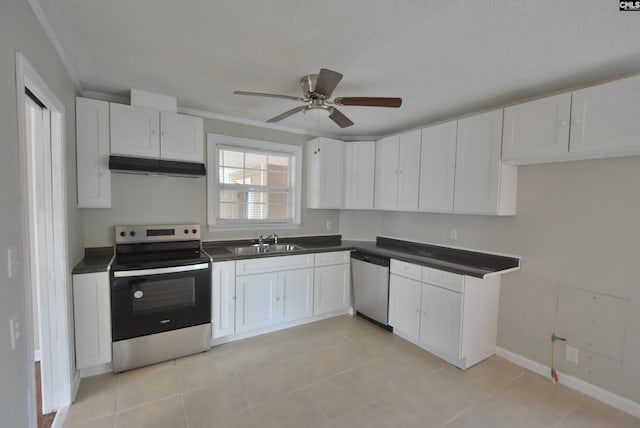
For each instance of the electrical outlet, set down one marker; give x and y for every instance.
(571, 354)
(328, 226)
(453, 234)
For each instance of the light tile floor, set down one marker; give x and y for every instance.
(341, 372)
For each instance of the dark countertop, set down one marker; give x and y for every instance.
(95, 260)
(463, 262)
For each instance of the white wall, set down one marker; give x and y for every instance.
(577, 226)
(138, 199)
(20, 31)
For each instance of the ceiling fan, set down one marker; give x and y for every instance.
(317, 89)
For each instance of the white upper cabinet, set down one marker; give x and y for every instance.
(483, 183)
(145, 132)
(537, 131)
(325, 173)
(135, 131)
(438, 167)
(605, 119)
(181, 137)
(397, 172)
(360, 161)
(92, 138)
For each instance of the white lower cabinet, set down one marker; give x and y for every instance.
(404, 306)
(332, 282)
(223, 294)
(296, 295)
(92, 319)
(452, 316)
(256, 301)
(441, 320)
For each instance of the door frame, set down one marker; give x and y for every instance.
(57, 364)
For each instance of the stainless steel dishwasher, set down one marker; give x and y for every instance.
(370, 278)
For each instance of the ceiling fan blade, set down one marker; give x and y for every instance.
(327, 82)
(340, 119)
(260, 94)
(368, 101)
(286, 114)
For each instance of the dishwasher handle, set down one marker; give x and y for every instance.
(371, 258)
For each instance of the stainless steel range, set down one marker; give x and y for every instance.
(160, 295)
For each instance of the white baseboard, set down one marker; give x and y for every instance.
(96, 370)
(61, 415)
(37, 355)
(573, 382)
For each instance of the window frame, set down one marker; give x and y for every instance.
(217, 141)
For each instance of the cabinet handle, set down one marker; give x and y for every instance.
(154, 132)
(563, 122)
(162, 133)
(576, 121)
(277, 299)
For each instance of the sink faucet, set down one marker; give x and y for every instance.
(274, 237)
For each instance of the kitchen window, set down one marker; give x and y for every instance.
(252, 183)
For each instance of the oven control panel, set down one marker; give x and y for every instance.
(157, 233)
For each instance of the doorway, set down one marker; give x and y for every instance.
(46, 272)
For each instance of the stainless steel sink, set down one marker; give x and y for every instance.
(264, 248)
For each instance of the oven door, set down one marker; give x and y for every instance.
(149, 301)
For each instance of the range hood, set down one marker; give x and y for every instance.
(131, 165)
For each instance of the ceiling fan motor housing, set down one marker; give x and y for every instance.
(308, 84)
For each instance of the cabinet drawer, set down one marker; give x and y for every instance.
(448, 280)
(407, 270)
(273, 264)
(334, 258)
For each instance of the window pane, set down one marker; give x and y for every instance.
(278, 179)
(232, 176)
(256, 161)
(256, 177)
(232, 158)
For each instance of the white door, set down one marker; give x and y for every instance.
(135, 131)
(441, 321)
(296, 294)
(332, 289)
(256, 304)
(537, 130)
(478, 163)
(92, 137)
(181, 137)
(92, 316)
(438, 167)
(325, 166)
(360, 163)
(605, 118)
(408, 171)
(386, 173)
(404, 306)
(223, 296)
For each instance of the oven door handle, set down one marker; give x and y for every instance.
(159, 271)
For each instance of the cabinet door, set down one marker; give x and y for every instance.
(135, 131)
(360, 163)
(438, 167)
(408, 171)
(386, 173)
(223, 304)
(296, 294)
(92, 136)
(325, 166)
(92, 319)
(605, 119)
(537, 131)
(477, 182)
(181, 137)
(404, 306)
(441, 321)
(257, 301)
(332, 286)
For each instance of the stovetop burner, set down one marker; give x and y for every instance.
(144, 247)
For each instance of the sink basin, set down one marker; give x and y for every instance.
(264, 248)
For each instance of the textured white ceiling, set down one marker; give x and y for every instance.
(444, 58)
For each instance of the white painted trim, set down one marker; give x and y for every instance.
(96, 370)
(37, 355)
(75, 386)
(61, 416)
(55, 341)
(573, 382)
(53, 38)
